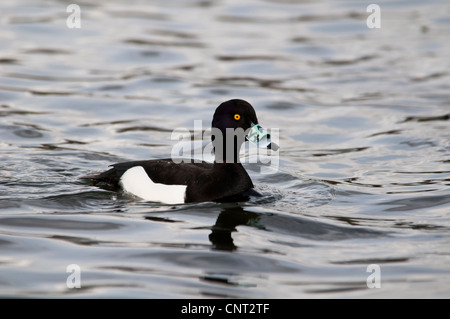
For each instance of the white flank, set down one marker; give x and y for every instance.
(136, 181)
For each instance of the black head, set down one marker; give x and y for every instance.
(234, 114)
(230, 121)
(234, 122)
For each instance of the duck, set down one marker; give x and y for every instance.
(171, 181)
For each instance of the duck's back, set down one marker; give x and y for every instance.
(163, 171)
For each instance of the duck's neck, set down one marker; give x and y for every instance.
(227, 151)
(222, 157)
(227, 144)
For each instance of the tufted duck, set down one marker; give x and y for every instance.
(166, 181)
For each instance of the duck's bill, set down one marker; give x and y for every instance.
(261, 137)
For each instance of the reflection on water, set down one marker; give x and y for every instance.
(229, 218)
(364, 148)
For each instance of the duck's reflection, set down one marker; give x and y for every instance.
(234, 215)
(291, 225)
(226, 223)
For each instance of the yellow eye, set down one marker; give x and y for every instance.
(237, 117)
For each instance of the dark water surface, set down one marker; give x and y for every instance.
(364, 163)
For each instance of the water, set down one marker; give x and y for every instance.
(364, 162)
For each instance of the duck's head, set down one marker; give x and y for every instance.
(233, 123)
